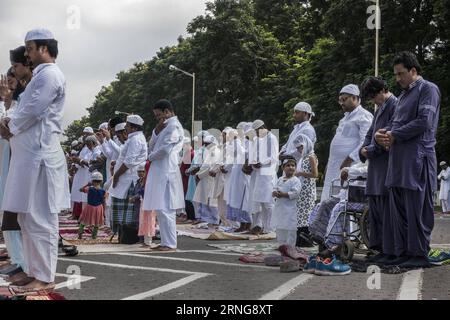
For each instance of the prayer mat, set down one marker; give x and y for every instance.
(252, 258)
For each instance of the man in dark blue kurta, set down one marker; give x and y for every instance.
(381, 234)
(412, 171)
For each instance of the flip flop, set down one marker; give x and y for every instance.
(163, 249)
(21, 291)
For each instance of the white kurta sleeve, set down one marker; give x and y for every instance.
(152, 142)
(169, 141)
(134, 155)
(115, 149)
(106, 150)
(364, 125)
(294, 191)
(34, 108)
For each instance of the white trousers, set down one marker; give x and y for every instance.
(287, 237)
(40, 234)
(167, 227)
(13, 242)
(263, 218)
(445, 206)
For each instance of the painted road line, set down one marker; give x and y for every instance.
(150, 256)
(411, 285)
(285, 289)
(124, 266)
(165, 288)
(72, 281)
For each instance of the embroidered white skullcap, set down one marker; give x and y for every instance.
(74, 143)
(443, 163)
(209, 139)
(91, 139)
(350, 89)
(305, 107)
(120, 126)
(257, 124)
(39, 34)
(241, 125)
(135, 119)
(104, 125)
(88, 130)
(96, 176)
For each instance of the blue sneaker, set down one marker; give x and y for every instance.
(332, 268)
(442, 258)
(310, 266)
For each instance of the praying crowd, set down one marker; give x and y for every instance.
(238, 180)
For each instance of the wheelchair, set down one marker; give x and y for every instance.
(356, 228)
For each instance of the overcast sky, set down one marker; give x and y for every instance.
(109, 36)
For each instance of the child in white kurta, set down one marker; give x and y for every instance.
(284, 217)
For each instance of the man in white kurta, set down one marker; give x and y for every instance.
(349, 137)
(37, 186)
(444, 190)
(302, 115)
(264, 159)
(164, 186)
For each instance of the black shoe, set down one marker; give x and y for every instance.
(398, 261)
(415, 262)
(376, 257)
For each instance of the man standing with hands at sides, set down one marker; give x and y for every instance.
(350, 134)
(164, 186)
(412, 172)
(381, 234)
(37, 186)
(444, 176)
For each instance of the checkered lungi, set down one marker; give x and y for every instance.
(123, 212)
(320, 216)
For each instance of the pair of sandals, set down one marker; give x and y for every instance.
(69, 250)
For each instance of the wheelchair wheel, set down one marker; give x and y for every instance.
(364, 227)
(347, 250)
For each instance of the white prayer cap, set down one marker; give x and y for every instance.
(203, 133)
(305, 107)
(135, 119)
(96, 176)
(443, 163)
(186, 140)
(88, 130)
(73, 152)
(39, 34)
(120, 126)
(257, 124)
(141, 167)
(241, 125)
(104, 125)
(74, 143)
(350, 89)
(209, 139)
(195, 139)
(227, 129)
(91, 139)
(248, 127)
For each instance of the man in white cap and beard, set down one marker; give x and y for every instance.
(302, 116)
(444, 176)
(349, 137)
(37, 186)
(132, 154)
(263, 157)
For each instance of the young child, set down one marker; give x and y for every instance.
(284, 217)
(93, 213)
(147, 219)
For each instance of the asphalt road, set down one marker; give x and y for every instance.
(198, 271)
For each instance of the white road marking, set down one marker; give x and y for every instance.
(76, 280)
(124, 266)
(411, 285)
(165, 288)
(285, 289)
(150, 256)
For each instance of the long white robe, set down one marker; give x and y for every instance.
(164, 171)
(444, 176)
(205, 192)
(132, 154)
(238, 183)
(301, 128)
(37, 186)
(347, 141)
(81, 177)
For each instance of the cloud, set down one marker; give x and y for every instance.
(112, 35)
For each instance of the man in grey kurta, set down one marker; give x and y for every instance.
(381, 234)
(412, 168)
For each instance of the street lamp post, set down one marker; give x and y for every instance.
(192, 75)
(377, 35)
